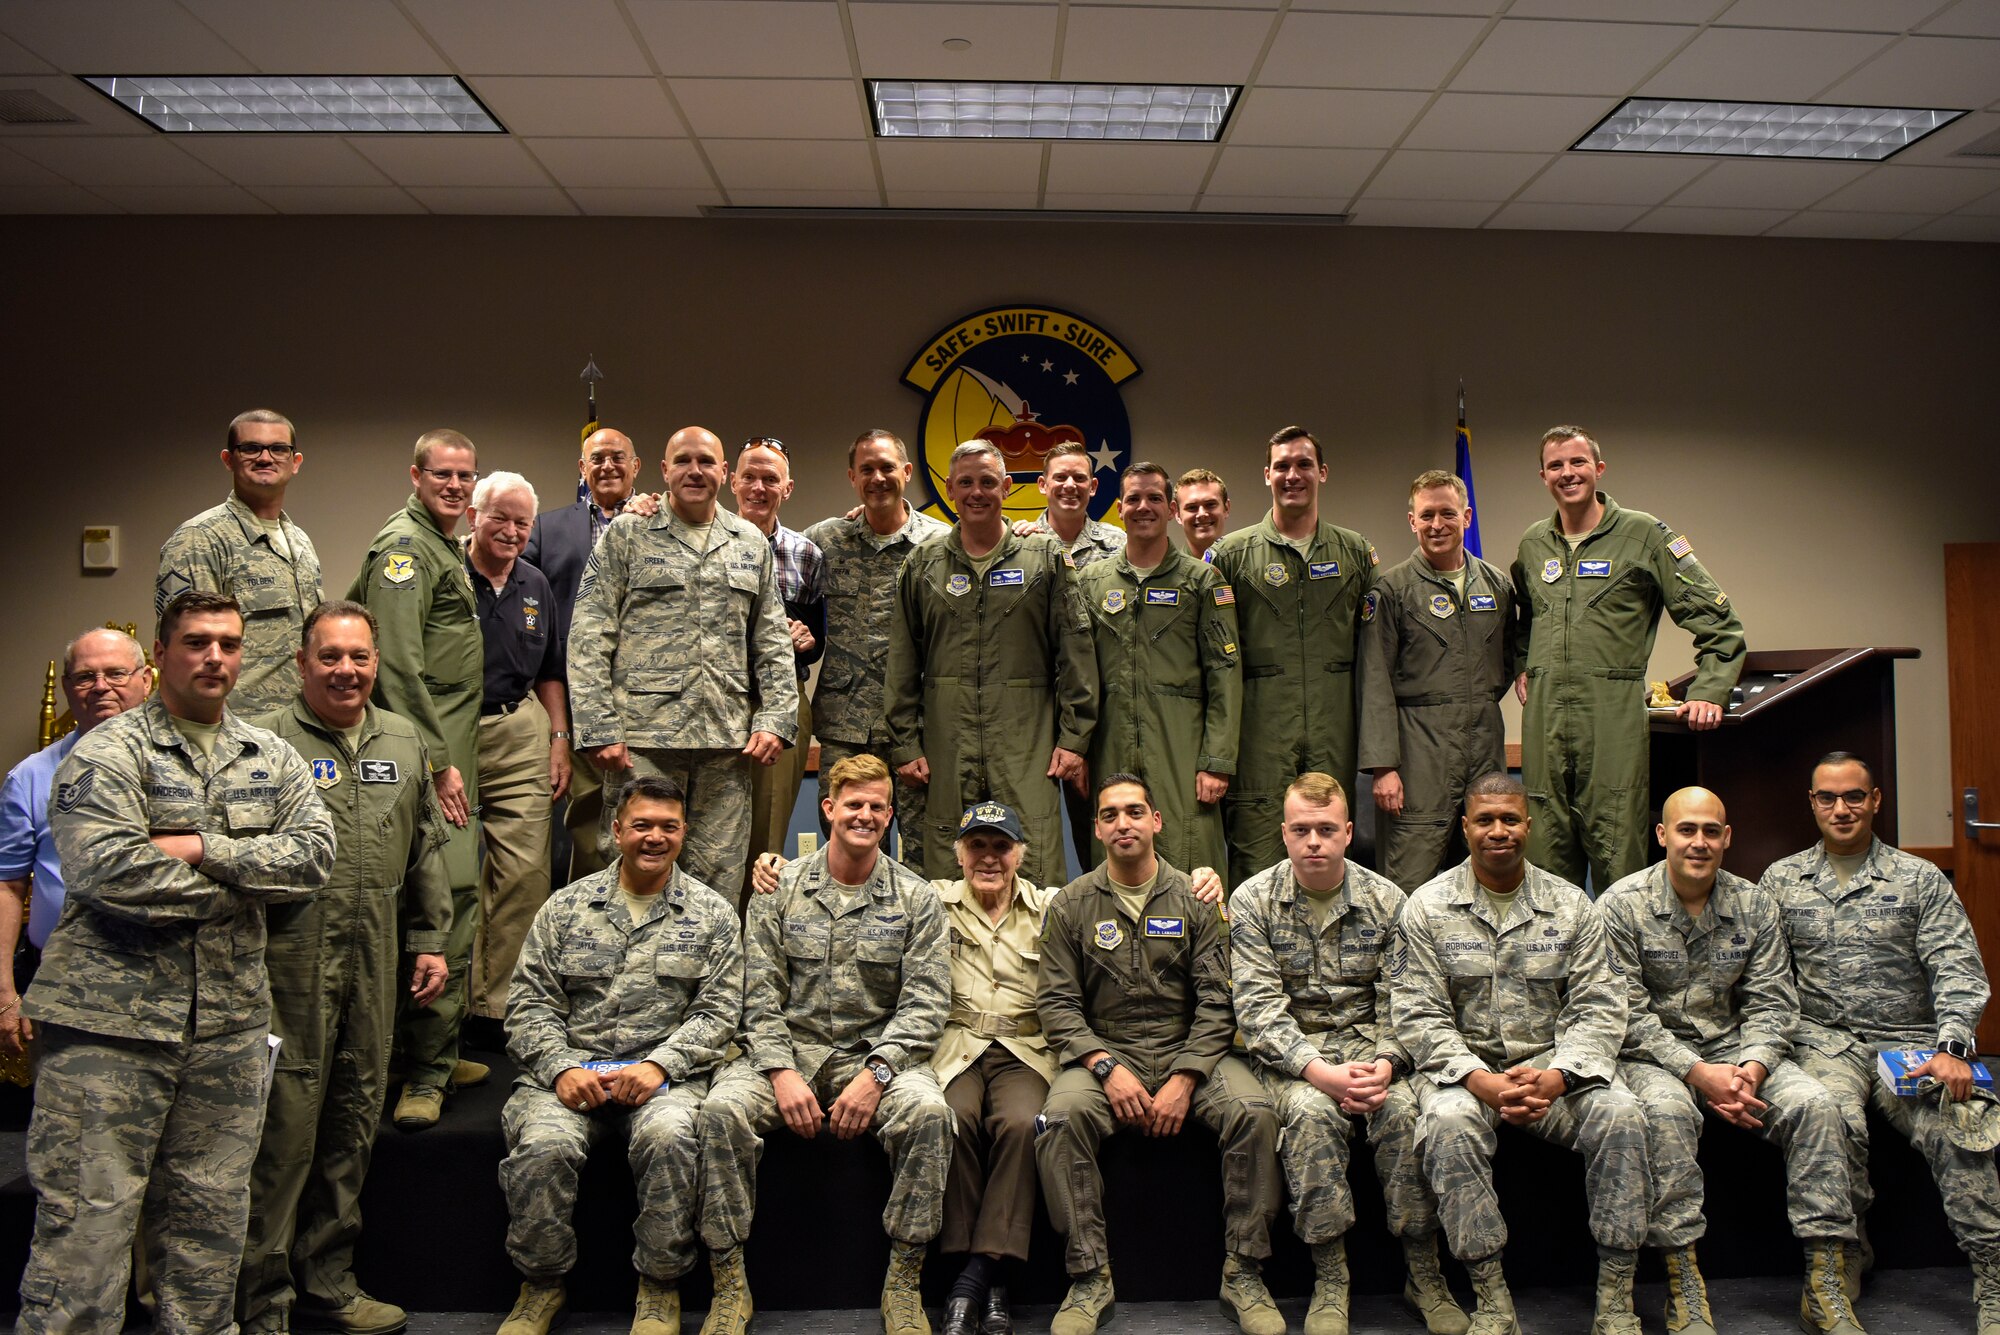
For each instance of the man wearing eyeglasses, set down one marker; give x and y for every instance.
(104, 674)
(1885, 958)
(432, 660)
(249, 548)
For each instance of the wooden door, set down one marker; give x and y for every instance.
(1972, 636)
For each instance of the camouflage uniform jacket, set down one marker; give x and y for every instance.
(874, 980)
(1715, 988)
(1302, 991)
(678, 647)
(1154, 990)
(145, 941)
(1467, 993)
(1095, 541)
(225, 550)
(595, 984)
(860, 582)
(1889, 962)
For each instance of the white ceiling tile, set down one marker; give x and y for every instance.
(52, 199)
(805, 199)
(531, 36)
(352, 37)
(1864, 226)
(1567, 217)
(959, 165)
(1925, 72)
(452, 160)
(768, 164)
(16, 59)
(1625, 11)
(284, 159)
(1419, 7)
(183, 199)
(1421, 213)
(1739, 184)
(1162, 45)
(1711, 222)
(1894, 189)
(500, 200)
(576, 105)
(1367, 50)
(118, 37)
(1332, 174)
(337, 198)
(17, 170)
(1960, 227)
(1538, 56)
(962, 199)
(1214, 203)
(622, 202)
(1139, 169)
(796, 39)
(99, 114)
(660, 164)
(1423, 174)
(1613, 178)
(772, 108)
(1967, 18)
(907, 41)
(1518, 121)
(157, 161)
(1100, 202)
(1762, 65)
(1937, 147)
(1322, 118)
(1890, 16)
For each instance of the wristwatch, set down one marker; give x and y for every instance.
(1570, 1080)
(1951, 1047)
(880, 1070)
(1103, 1068)
(563, 736)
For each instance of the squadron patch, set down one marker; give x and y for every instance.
(1226, 596)
(1275, 575)
(400, 568)
(1593, 570)
(1114, 601)
(1552, 570)
(1109, 935)
(1001, 579)
(1322, 570)
(1166, 927)
(1441, 605)
(1163, 597)
(326, 773)
(1369, 602)
(958, 585)
(1481, 602)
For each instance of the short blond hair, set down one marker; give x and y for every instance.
(1199, 476)
(442, 438)
(1556, 433)
(1320, 790)
(855, 769)
(1433, 479)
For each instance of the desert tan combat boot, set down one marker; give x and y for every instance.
(1857, 1261)
(1687, 1296)
(1824, 1307)
(1986, 1291)
(658, 1310)
(1245, 1297)
(1425, 1291)
(1328, 1313)
(539, 1307)
(1493, 1309)
(1615, 1272)
(902, 1296)
(730, 1311)
(1087, 1306)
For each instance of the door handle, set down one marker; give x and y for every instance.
(1970, 810)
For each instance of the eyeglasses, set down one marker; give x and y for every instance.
(258, 449)
(767, 443)
(448, 475)
(1825, 801)
(619, 457)
(109, 676)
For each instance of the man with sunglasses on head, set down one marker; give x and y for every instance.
(249, 548)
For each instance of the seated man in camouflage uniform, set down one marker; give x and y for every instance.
(1307, 940)
(1885, 958)
(1505, 992)
(847, 980)
(627, 991)
(1712, 1013)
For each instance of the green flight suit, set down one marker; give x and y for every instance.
(1170, 693)
(987, 675)
(1434, 665)
(1589, 617)
(1298, 616)
(335, 981)
(432, 672)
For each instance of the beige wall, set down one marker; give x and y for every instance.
(1816, 415)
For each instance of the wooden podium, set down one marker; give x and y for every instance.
(1797, 705)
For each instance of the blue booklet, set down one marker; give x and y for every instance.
(1895, 1065)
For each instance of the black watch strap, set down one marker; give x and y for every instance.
(1570, 1080)
(1951, 1047)
(1103, 1067)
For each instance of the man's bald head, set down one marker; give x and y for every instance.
(610, 467)
(1694, 830)
(695, 472)
(1693, 802)
(690, 435)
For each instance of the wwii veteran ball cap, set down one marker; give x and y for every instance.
(994, 816)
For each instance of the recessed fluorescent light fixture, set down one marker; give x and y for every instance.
(299, 103)
(958, 109)
(1761, 129)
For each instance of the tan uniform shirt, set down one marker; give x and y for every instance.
(993, 973)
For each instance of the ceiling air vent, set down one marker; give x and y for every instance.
(22, 106)
(1989, 147)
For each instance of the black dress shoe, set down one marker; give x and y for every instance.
(958, 1318)
(996, 1320)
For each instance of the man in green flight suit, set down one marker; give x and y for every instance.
(1297, 583)
(1590, 583)
(432, 662)
(992, 681)
(1170, 687)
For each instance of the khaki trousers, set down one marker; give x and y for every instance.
(989, 1196)
(515, 804)
(774, 791)
(581, 815)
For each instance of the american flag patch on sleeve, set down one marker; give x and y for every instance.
(1225, 595)
(1681, 548)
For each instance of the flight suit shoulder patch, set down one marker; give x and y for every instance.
(326, 773)
(1108, 935)
(1114, 601)
(399, 568)
(1225, 595)
(1369, 602)
(1440, 605)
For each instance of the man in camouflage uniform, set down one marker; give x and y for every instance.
(1297, 584)
(847, 982)
(628, 989)
(1712, 1012)
(1591, 582)
(1170, 686)
(1134, 1001)
(680, 662)
(1069, 481)
(1437, 653)
(1511, 1004)
(992, 681)
(335, 980)
(177, 823)
(863, 556)
(249, 548)
(431, 663)
(1885, 958)
(1307, 940)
